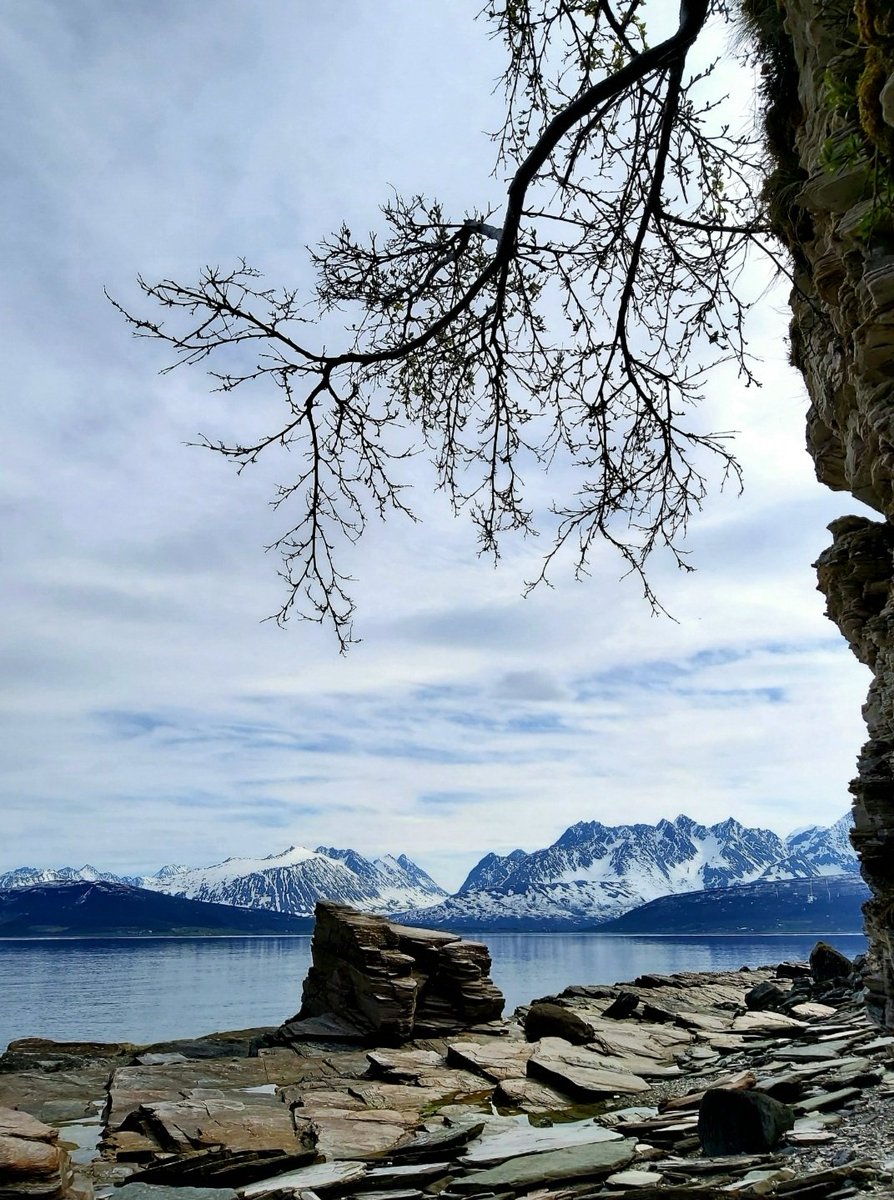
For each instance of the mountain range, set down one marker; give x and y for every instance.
(289, 882)
(593, 873)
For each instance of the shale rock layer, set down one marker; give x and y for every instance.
(385, 983)
(833, 199)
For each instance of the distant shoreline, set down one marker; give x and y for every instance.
(239, 937)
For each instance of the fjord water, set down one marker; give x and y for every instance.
(153, 989)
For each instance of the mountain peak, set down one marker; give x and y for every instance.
(595, 872)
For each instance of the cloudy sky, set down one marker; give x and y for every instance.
(149, 715)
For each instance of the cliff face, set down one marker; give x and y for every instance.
(833, 199)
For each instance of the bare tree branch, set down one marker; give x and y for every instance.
(576, 332)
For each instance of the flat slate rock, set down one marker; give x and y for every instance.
(154, 1191)
(496, 1061)
(634, 1179)
(197, 1123)
(437, 1142)
(514, 1139)
(578, 1071)
(363, 1135)
(553, 1166)
(814, 1052)
(395, 1176)
(768, 1022)
(316, 1178)
(529, 1095)
(402, 1066)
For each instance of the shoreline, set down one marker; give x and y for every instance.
(445, 1107)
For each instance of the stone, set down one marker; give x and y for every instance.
(772, 1023)
(765, 995)
(579, 1072)
(32, 1163)
(152, 1191)
(810, 1011)
(395, 1176)
(634, 1179)
(529, 1095)
(385, 983)
(545, 1019)
(319, 1177)
(510, 1139)
(218, 1167)
(197, 1123)
(741, 1122)
(828, 1100)
(362, 1135)
(434, 1143)
(398, 1066)
(625, 1005)
(551, 1167)
(496, 1060)
(828, 964)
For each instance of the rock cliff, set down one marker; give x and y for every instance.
(830, 127)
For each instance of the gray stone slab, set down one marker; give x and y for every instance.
(579, 1072)
(154, 1191)
(318, 1177)
(520, 1138)
(555, 1166)
(815, 1052)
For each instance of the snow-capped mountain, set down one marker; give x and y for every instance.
(290, 882)
(296, 879)
(29, 876)
(595, 872)
(825, 851)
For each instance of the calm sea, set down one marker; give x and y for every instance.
(153, 989)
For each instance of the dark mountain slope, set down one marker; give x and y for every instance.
(102, 909)
(831, 904)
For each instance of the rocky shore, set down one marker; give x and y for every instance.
(765, 1082)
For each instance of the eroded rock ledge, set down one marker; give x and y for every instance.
(373, 980)
(832, 197)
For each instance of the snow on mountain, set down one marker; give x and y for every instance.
(29, 876)
(827, 851)
(296, 879)
(290, 882)
(595, 872)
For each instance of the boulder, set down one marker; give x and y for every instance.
(764, 996)
(623, 1007)
(741, 1122)
(382, 983)
(828, 964)
(547, 1019)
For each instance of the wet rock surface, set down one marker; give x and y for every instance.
(468, 1115)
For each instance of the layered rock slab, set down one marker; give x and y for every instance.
(384, 983)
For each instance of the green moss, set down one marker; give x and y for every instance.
(763, 28)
